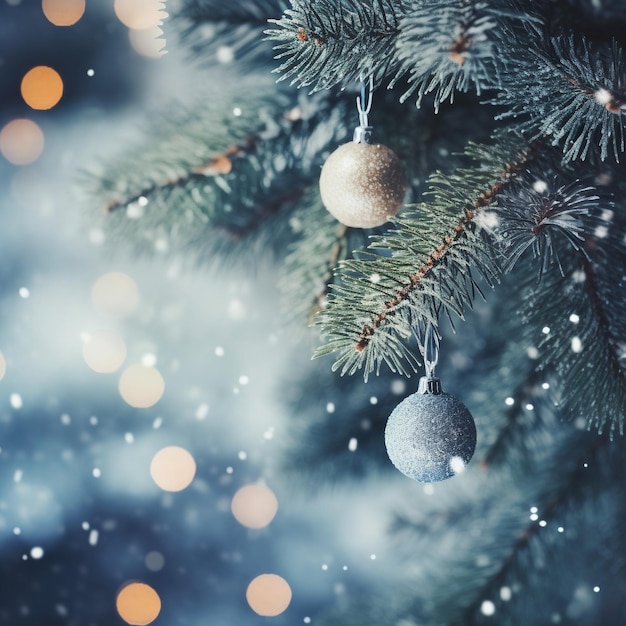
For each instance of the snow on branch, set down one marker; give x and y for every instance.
(452, 45)
(573, 92)
(323, 43)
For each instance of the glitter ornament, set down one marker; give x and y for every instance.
(363, 184)
(430, 435)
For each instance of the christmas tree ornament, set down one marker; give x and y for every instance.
(363, 183)
(431, 435)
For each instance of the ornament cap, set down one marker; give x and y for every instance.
(363, 134)
(430, 385)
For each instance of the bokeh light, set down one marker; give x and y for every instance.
(139, 14)
(63, 12)
(138, 604)
(268, 595)
(115, 294)
(104, 351)
(148, 42)
(21, 141)
(3, 366)
(173, 468)
(141, 386)
(254, 506)
(41, 87)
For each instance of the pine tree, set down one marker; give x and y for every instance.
(509, 117)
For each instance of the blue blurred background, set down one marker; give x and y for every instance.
(80, 514)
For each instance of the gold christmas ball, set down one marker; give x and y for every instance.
(363, 184)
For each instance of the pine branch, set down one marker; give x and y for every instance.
(323, 43)
(573, 93)
(577, 484)
(452, 46)
(577, 241)
(213, 178)
(321, 242)
(379, 300)
(226, 31)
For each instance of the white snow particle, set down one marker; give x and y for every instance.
(202, 411)
(457, 464)
(488, 607)
(330, 407)
(545, 330)
(505, 594)
(237, 112)
(129, 438)
(545, 386)
(373, 400)
(579, 276)
(219, 351)
(596, 589)
(398, 387)
(17, 476)
(96, 472)
(603, 96)
(16, 401)
(352, 444)
(242, 456)
(24, 292)
(244, 380)
(509, 401)
(149, 359)
(574, 319)
(577, 345)
(530, 407)
(532, 352)
(36, 552)
(601, 232)
(134, 211)
(540, 186)
(560, 529)
(93, 538)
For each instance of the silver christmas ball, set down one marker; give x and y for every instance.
(430, 437)
(363, 184)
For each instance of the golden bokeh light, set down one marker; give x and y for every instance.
(139, 14)
(115, 294)
(3, 366)
(41, 87)
(104, 351)
(141, 386)
(63, 12)
(254, 506)
(138, 604)
(173, 468)
(21, 141)
(148, 42)
(268, 595)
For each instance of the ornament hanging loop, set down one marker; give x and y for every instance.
(363, 132)
(430, 352)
